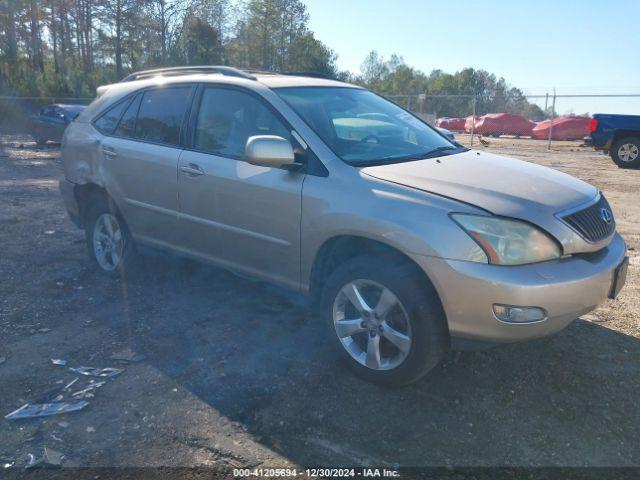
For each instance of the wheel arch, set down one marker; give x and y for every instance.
(340, 248)
(620, 134)
(87, 193)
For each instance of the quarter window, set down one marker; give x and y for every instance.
(108, 121)
(160, 115)
(126, 127)
(227, 118)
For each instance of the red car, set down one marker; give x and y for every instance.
(468, 123)
(453, 124)
(496, 124)
(564, 128)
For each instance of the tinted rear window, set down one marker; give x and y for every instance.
(161, 114)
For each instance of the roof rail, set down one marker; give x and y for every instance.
(255, 71)
(310, 74)
(222, 70)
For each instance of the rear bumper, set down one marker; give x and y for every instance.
(599, 141)
(67, 190)
(565, 289)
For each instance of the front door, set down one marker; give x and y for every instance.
(240, 215)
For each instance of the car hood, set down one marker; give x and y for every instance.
(501, 185)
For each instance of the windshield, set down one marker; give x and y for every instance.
(363, 128)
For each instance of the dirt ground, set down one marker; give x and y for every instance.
(237, 373)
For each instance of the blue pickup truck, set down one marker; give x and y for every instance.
(618, 135)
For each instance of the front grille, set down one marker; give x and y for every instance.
(590, 223)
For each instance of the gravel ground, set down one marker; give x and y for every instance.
(237, 373)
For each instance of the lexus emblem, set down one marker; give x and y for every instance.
(605, 214)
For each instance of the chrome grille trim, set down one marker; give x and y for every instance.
(588, 221)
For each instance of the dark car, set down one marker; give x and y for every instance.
(619, 135)
(50, 122)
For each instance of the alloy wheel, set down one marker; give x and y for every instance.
(108, 242)
(372, 324)
(628, 152)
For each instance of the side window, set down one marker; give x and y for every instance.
(161, 114)
(127, 125)
(107, 122)
(227, 118)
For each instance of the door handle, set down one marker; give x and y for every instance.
(109, 152)
(192, 170)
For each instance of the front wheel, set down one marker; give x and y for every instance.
(386, 320)
(108, 239)
(626, 152)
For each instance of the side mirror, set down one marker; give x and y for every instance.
(269, 151)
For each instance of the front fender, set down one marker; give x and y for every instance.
(406, 219)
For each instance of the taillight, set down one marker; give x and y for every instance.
(593, 125)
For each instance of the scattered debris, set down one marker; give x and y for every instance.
(49, 232)
(33, 410)
(98, 372)
(92, 386)
(57, 439)
(91, 429)
(31, 462)
(70, 384)
(44, 330)
(63, 424)
(127, 355)
(3, 359)
(8, 465)
(50, 458)
(58, 401)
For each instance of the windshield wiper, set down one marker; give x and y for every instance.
(436, 152)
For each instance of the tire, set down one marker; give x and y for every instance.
(112, 255)
(625, 152)
(418, 316)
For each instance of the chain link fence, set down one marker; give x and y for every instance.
(549, 120)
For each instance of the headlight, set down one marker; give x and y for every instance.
(509, 242)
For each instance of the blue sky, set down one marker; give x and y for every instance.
(577, 47)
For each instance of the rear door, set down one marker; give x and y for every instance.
(140, 160)
(241, 215)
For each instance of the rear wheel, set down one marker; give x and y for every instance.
(386, 320)
(109, 242)
(626, 152)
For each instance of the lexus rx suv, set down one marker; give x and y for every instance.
(407, 243)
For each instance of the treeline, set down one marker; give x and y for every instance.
(448, 95)
(66, 48)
